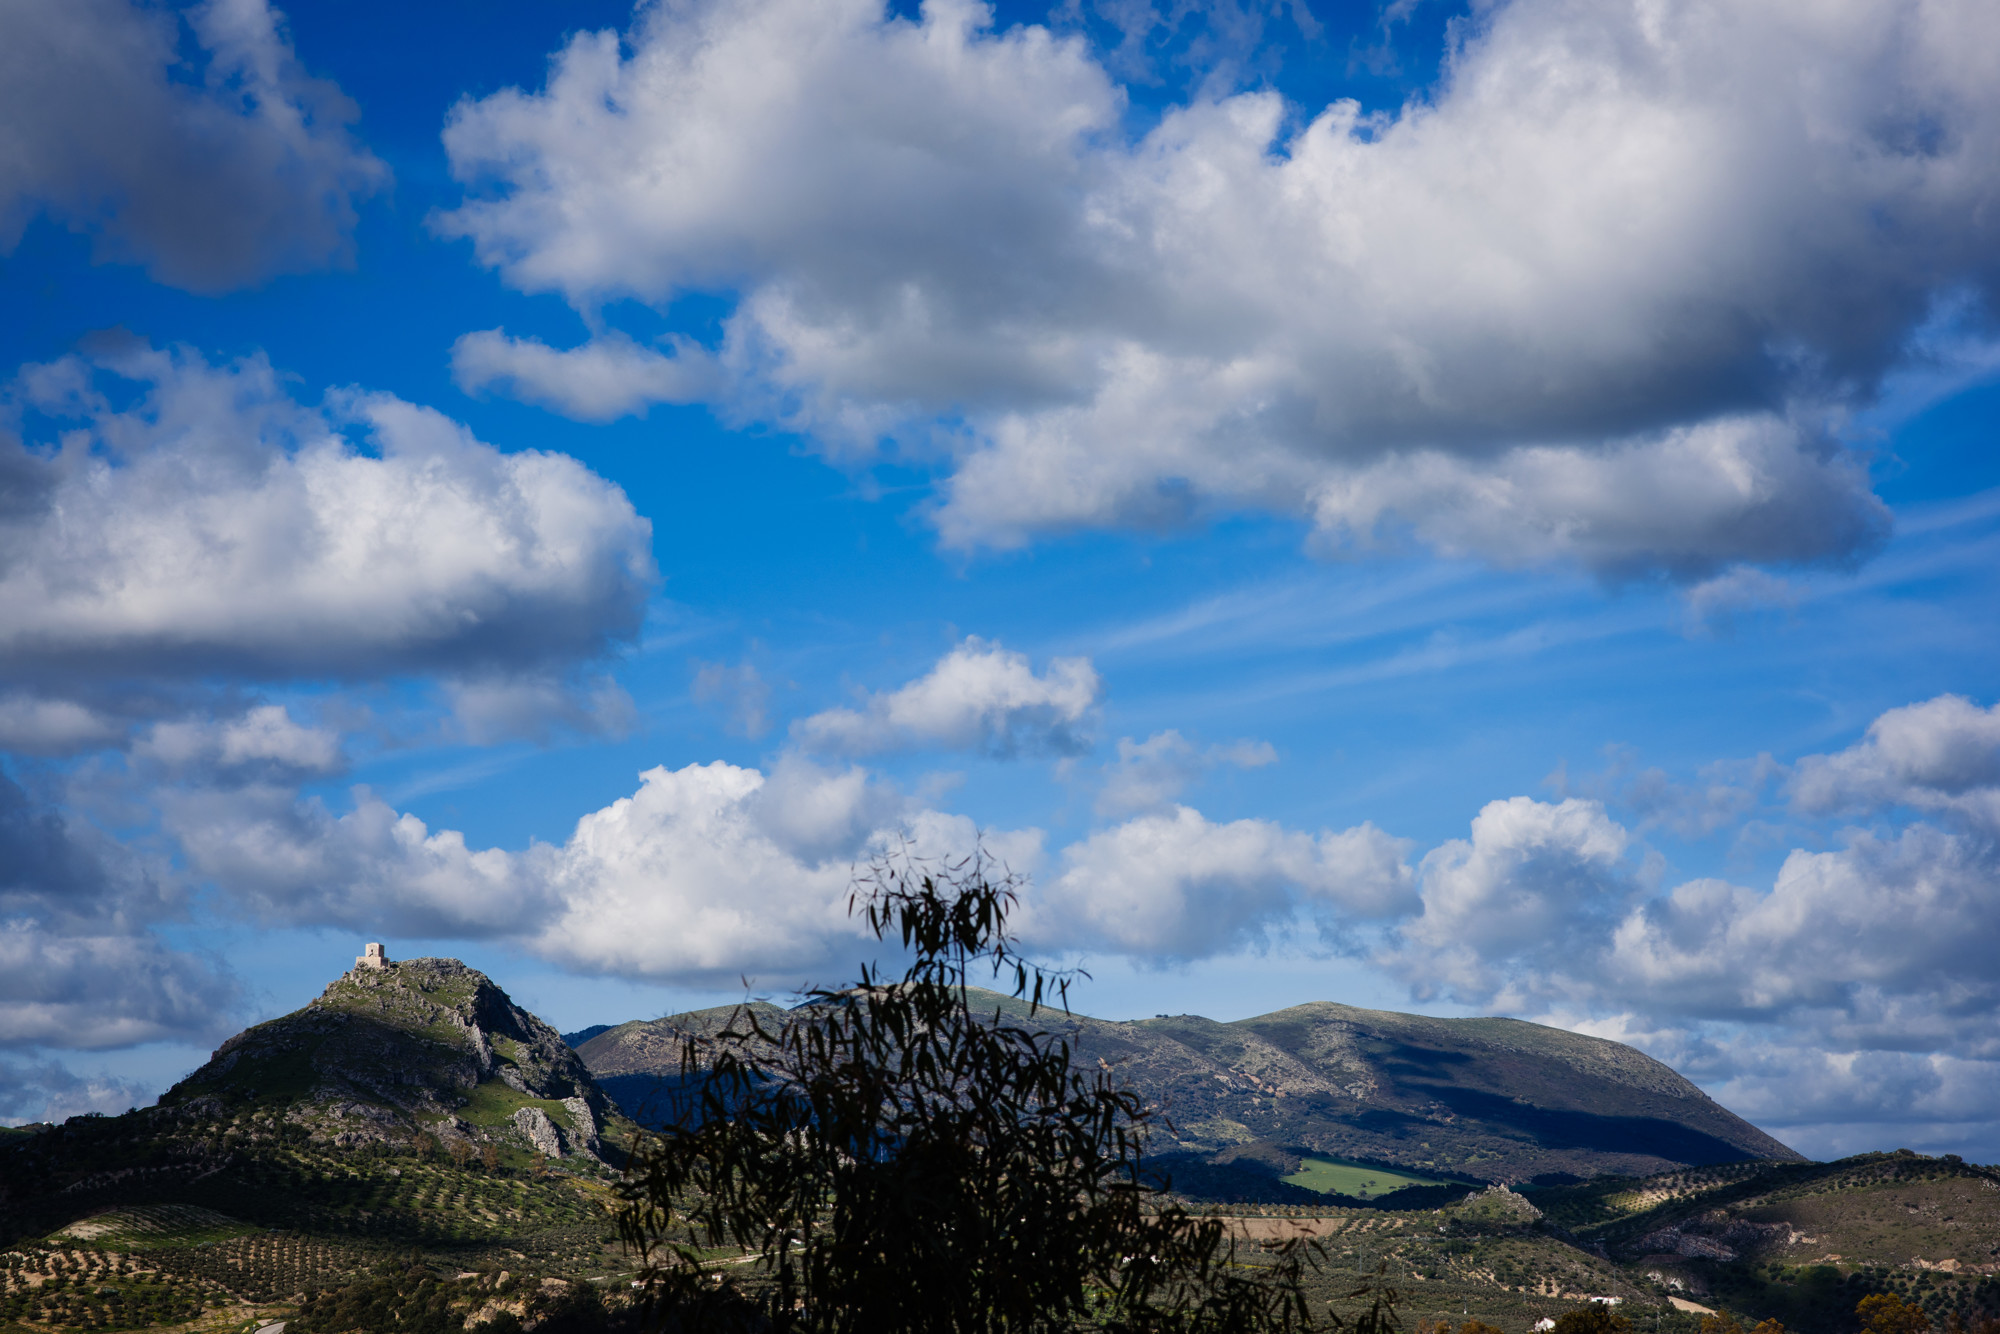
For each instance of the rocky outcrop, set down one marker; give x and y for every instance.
(1499, 1204)
(534, 1124)
(584, 1126)
(391, 1053)
(1718, 1236)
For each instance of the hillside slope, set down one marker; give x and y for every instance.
(400, 1141)
(424, 1046)
(1487, 1099)
(1801, 1242)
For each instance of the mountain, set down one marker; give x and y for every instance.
(417, 1047)
(411, 1141)
(331, 1168)
(1486, 1100)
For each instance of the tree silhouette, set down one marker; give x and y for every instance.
(901, 1156)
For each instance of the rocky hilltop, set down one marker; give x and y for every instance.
(421, 1047)
(1489, 1100)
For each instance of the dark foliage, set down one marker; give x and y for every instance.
(407, 1298)
(1592, 1319)
(894, 1156)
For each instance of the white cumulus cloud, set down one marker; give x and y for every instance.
(1852, 987)
(288, 860)
(1875, 943)
(1942, 755)
(31, 724)
(714, 871)
(1176, 885)
(265, 740)
(703, 873)
(80, 966)
(1850, 997)
(215, 525)
(170, 528)
(110, 988)
(1596, 297)
(49, 1092)
(979, 696)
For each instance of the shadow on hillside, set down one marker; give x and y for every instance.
(1553, 1128)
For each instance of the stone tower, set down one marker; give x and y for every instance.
(372, 956)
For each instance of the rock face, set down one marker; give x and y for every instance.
(421, 1046)
(1496, 1100)
(541, 1132)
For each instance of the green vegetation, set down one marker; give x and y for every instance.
(91, 1289)
(317, 1286)
(278, 1224)
(899, 1157)
(494, 1104)
(1332, 1176)
(268, 1077)
(149, 1222)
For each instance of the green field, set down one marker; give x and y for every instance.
(1330, 1176)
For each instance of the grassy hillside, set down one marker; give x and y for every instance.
(1331, 1176)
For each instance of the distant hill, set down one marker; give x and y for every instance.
(421, 1047)
(1487, 1100)
(411, 1141)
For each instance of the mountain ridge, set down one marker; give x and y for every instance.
(1486, 1099)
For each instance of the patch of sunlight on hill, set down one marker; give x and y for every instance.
(1330, 1176)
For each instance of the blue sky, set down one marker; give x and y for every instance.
(1477, 511)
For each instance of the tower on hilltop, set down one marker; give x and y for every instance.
(372, 956)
